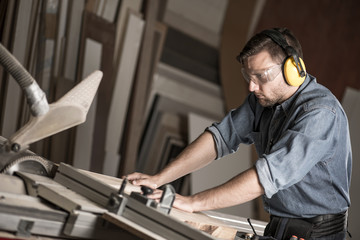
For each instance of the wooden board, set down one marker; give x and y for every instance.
(125, 6)
(200, 221)
(134, 119)
(125, 72)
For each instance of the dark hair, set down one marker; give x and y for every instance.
(261, 41)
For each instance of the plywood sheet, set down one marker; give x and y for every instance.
(122, 89)
(134, 121)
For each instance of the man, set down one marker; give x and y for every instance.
(301, 136)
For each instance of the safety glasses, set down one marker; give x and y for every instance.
(262, 77)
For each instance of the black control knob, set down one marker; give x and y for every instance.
(146, 190)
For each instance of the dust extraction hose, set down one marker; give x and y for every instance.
(35, 97)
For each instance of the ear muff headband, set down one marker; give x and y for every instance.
(293, 67)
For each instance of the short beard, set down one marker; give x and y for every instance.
(265, 102)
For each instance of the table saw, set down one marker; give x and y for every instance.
(74, 203)
(43, 200)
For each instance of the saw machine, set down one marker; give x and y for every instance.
(46, 200)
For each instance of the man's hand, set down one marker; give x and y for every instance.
(143, 179)
(183, 203)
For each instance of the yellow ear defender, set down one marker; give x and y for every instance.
(291, 73)
(293, 67)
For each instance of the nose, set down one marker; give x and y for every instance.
(253, 86)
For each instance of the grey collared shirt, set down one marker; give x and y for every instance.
(303, 147)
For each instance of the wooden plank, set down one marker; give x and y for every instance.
(110, 9)
(122, 15)
(122, 90)
(114, 182)
(134, 120)
(201, 221)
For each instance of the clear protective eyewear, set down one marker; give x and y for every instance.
(262, 77)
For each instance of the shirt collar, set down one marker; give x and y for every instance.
(289, 102)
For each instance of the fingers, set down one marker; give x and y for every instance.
(135, 175)
(156, 194)
(141, 179)
(145, 182)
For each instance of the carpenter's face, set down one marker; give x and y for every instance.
(265, 79)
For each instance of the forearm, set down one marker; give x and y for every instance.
(240, 189)
(195, 156)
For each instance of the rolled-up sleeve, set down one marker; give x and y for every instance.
(234, 129)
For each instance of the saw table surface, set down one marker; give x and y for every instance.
(218, 225)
